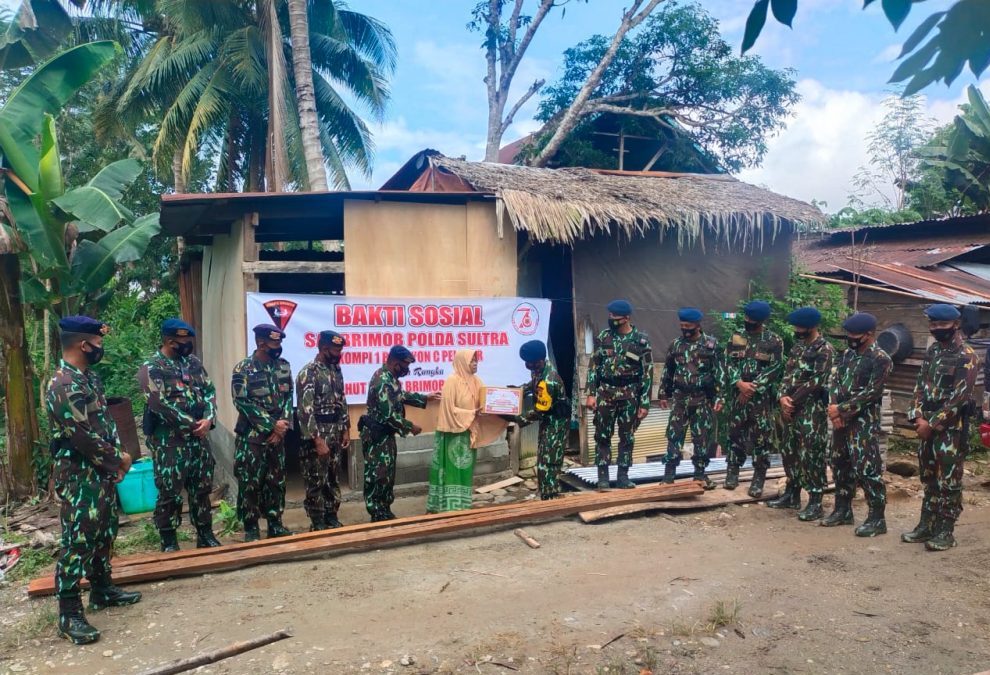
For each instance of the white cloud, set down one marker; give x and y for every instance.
(888, 54)
(825, 143)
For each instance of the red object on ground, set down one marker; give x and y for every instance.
(985, 434)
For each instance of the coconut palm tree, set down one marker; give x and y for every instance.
(215, 81)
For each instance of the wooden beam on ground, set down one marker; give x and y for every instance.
(212, 656)
(408, 530)
(498, 485)
(293, 267)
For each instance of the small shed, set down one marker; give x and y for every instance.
(894, 272)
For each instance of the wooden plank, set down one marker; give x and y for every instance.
(498, 485)
(287, 548)
(293, 267)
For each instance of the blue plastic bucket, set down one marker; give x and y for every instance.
(137, 491)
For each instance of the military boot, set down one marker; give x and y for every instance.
(942, 539)
(72, 623)
(251, 531)
(813, 511)
(206, 539)
(669, 472)
(103, 594)
(842, 513)
(923, 532)
(317, 523)
(622, 481)
(875, 523)
(699, 476)
(602, 478)
(791, 499)
(277, 529)
(332, 521)
(759, 478)
(170, 541)
(731, 477)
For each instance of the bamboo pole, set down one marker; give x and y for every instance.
(206, 658)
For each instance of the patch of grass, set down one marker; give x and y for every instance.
(145, 539)
(723, 613)
(561, 660)
(614, 667)
(680, 627)
(227, 519)
(40, 623)
(31, 564)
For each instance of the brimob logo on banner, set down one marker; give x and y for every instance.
(281, 312)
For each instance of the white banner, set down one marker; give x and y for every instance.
(432, 329)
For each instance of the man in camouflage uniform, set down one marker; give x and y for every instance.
(321, 410)
(855, 391)
(552, 409)
(803, 399)
(181, 410)
(693, 374)
(385, 418)
(88, 462)
(620, 379)
(943, 399)
(262, 390)
(754, 362)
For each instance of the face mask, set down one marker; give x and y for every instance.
(95, 356)
(854, 343)
(943, 334)
(751, 326)
(616, 324)
(274, 352)
(184, 348)
(802, 335)
(333, 359)
(403, 370)
(689, 332)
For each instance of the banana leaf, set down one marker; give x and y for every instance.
(96, 205)
(94, 263)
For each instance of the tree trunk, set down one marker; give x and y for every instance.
(309, 124)
(19, 402)
(178, 179)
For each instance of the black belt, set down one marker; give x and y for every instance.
(328, 419)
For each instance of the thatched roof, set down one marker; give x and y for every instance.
(565, 205)
(10, 243)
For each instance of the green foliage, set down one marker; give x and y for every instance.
(960, 37)
(145, 539)
(33, 561)
(679, 77)
(135, 335)
(227, 519)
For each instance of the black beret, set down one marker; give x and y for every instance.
(805, 317)
(757, 310)
(942, 312)
(330, 337)
(400, 353)
(533, 351)
(620, 308)
(177, 328)
(691, 314)
(268, 331)
(83, 325)
(860, 322)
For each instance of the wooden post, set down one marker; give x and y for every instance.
(248, 225)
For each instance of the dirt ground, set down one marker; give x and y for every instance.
(743, 589)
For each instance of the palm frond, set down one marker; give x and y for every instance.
(342, 64)
(348, 132)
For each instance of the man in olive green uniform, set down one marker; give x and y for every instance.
(693, 375)
(552, 409)
(321, 410)
(754, 362)
(855, 392)
(385, 418)
(181, 410)
(88, 462)
(943, 401)
(803, 400)
(262, 391)
(620, 379)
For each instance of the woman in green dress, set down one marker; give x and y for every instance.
(460, 430)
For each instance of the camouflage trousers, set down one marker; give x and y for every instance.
(856, 458)
(608, 415)
(259, 468)
(804, 447)
(698, 414)
(379, 472)
(941, 463)
(88, 514)
(550, 455)
(751, 431)
(182, 463)
(321, 475)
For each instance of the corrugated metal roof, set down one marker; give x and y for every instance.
(818, 254)
(942, 284)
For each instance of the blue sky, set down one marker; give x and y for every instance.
(843, 56)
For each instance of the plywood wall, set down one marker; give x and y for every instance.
(426, 251)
